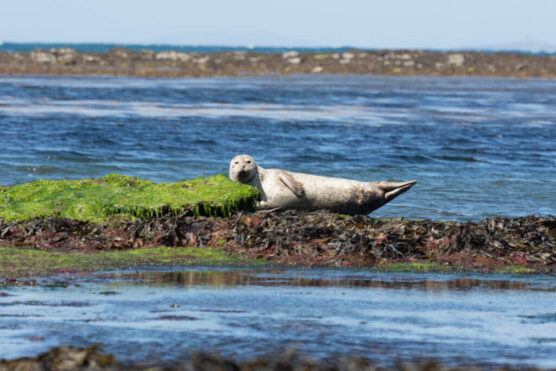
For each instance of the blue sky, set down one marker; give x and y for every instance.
(375, 24)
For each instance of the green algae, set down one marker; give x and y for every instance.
(515, 269)
(120, 196)
(412, 267)
(21, 262)
(430, 267)
(321, 56)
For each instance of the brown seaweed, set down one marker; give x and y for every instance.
(311, 238)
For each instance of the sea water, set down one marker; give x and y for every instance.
(478, 147)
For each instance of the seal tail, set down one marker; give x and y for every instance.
(394, 189)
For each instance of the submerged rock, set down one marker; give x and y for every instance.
(64, 358)
(74, 358)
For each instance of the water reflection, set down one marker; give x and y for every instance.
(274, 278)
(160, 315)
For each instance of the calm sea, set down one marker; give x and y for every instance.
(479, 147)
(105, 47)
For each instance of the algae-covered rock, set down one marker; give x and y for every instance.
(121, 196)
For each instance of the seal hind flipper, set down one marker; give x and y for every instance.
(289, 181)
(394, 189)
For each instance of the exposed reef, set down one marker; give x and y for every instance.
(117, 212)
(518, 245)
(148, 63)
(75, 358)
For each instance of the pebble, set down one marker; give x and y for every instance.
(295, 60)
(173, 56)
(348, 56)
(290, 54)
(40, 56)
(317, 69)
(239, 56)
(456, 60)
(91, 58)
(404, 57)
(202, 60)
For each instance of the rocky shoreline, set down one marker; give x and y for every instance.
(76, 358)
(148, 63)
(322, 238)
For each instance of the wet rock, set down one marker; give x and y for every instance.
(41, 56)
(122, 61)
(456, 60)
(240, 56)
(147, 54)
(317, 69)
(404, 56)
(290, 54)
(60, 51)
(89, 58)
(122, 53)
(348, 56)
(74, 358)
(295, 60)
(65, 55)
(173, 56)
(65, 358)
(202, 60)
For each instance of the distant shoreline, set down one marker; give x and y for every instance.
(148, 63)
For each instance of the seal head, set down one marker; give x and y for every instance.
(243, 169)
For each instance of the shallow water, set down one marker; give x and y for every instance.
(153, 316)
(479, 147)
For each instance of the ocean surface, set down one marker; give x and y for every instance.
(160, 316)
(478, 147)
(105, 47)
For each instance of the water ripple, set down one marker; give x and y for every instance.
(478, 146)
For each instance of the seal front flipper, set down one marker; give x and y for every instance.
(289, 181)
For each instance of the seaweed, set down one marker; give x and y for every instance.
(314, 238)
(124, 197)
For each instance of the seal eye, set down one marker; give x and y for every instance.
(248, 162)
(237, 162)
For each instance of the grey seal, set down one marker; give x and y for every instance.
(287, 190)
